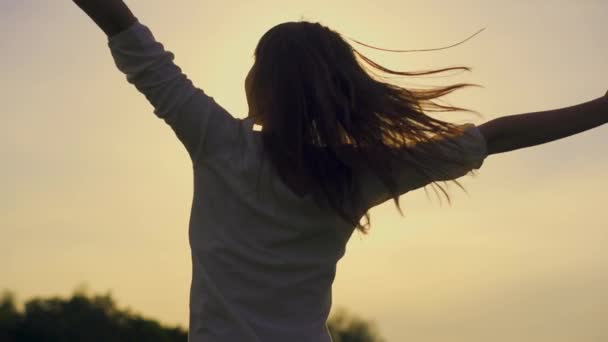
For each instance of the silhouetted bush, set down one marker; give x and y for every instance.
(79, 318)
(346, 327)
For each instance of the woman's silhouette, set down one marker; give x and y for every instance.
(273, 209)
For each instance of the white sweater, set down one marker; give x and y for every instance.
(263, 258)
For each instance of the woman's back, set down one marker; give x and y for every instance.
(264, 258)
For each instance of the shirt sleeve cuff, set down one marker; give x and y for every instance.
(137, 32)
(477, 145)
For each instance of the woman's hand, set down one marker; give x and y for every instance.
(112, 16)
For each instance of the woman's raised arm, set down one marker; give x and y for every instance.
(513, 132)
(112, 16)
(151, 69)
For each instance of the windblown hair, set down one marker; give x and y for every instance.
(317, 101)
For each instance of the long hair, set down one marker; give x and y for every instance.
(318, 102)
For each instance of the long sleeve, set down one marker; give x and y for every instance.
(184, 107)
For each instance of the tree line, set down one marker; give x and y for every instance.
(97, 318)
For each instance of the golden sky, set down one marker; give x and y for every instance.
(96, 189)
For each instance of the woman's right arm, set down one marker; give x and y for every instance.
(513, 132)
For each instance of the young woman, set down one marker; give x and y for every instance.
(273, 209)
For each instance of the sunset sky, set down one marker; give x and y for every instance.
(97, 190)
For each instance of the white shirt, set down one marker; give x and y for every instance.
(263, 258)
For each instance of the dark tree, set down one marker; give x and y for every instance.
(346, 327)
(9, 317)
(79, 318)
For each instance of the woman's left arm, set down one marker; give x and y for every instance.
(112, 16)
(512, 132)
